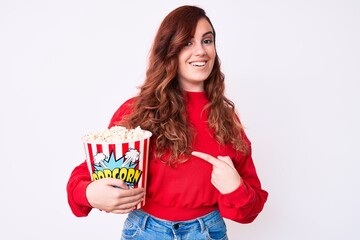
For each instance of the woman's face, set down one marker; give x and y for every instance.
(196, 59)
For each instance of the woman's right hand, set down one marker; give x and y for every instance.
(113, 195)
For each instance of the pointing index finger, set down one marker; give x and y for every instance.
(210, 159)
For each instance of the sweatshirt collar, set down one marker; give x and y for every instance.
(196, 96)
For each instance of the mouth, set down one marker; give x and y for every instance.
(198, 64)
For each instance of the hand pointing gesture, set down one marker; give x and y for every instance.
(224, 175)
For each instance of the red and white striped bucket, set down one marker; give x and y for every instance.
(126, 160)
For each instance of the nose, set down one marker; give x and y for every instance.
(199, 50)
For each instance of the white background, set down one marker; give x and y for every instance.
(292, 68)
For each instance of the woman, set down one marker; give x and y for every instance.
(200, 167)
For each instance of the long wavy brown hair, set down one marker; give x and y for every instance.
(160, 106)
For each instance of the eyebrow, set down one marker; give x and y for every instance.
(207, 33)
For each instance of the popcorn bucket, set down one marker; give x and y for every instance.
(125, 160)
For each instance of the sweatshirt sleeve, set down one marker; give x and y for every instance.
(245, 203)
(80, 177)
(76, 190)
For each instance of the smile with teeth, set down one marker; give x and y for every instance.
(198, 64)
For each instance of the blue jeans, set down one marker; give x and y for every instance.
(142, 226)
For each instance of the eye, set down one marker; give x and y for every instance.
(188, 44)
(208, 41)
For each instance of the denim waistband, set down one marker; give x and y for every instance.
(143, 219)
